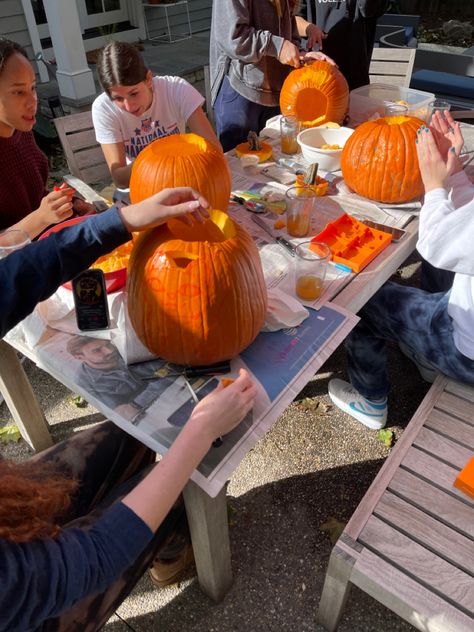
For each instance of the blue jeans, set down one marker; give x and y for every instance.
(409, 315)
(236, 116)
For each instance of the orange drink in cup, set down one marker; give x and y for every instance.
(311, 261)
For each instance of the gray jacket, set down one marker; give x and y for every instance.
(246, 39)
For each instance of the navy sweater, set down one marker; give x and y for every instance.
(41, 579)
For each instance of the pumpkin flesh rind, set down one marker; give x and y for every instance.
(181, 160)
(379, 160)
(194, 301)
(316, 93)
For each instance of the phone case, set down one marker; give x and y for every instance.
(90, 300)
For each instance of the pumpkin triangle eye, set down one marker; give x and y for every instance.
(180, 259)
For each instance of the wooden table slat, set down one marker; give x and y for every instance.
(455, 429)
(449, 545)
(442, 448)
(435, 573)
(435, 472)
(406, 597)
(426, 497)
(457, 406)
(462, 390)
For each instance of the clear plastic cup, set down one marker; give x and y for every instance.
(12, 239)
(437, 106)
(289, 130)
(299, 208)
(311, 262)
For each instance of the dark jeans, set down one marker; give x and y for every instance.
(409, 315)
(236, 116)
(108, 463)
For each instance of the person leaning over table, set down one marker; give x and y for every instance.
(81, 521)
(436, 329)
(24, 201)
(137, 108)
(253, 47)
(345, 31)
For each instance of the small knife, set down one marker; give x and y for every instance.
(279, 240)
(87, 192)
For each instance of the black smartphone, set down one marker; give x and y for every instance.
(90, 300)
(397, 233)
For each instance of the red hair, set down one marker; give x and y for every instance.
(32, 499)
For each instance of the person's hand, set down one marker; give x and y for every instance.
(224, 408)
(318, 56)
(181, 202)
(314, 35)
(56, 206)
(449, 130)
(290, 54)
(434, 168)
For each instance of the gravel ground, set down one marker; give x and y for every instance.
(314, 465)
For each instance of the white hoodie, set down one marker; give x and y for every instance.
(446, 240)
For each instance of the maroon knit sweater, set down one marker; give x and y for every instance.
(23, 176)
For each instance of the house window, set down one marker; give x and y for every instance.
(101, 6)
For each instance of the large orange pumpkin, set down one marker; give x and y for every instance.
(316, 93)
(379, 160)
(196, 294)
(181, 160)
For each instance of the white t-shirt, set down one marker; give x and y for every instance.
(174, 100)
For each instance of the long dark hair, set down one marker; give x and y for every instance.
(120, 64)
(7, 49)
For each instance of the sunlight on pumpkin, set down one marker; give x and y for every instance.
(182, 145)
(218, 227)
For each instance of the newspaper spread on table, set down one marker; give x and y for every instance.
(152, 401)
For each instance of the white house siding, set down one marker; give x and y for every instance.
(13, 24)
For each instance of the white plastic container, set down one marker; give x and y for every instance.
(368, 102)
(311, 139)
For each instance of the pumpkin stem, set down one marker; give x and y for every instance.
(254, 142)
(311, 174)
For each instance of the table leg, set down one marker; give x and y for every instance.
(21, 401)
(209, 528)
(335, 590)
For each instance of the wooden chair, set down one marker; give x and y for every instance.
(410, 542)
(84, 155)
(392, 65)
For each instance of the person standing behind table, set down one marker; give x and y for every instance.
(136, 108)
(348, 33)
(253, 47)
(438, 329)
(24, 201)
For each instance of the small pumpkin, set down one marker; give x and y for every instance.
(379, 160)
(254, 147)
(181, 160)
(316, 93)
(196, 294)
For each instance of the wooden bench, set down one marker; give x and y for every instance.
(410, 542)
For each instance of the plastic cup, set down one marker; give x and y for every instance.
(437, 106)
(299, 208)
(396, 109)
(289, 130)
(11, 240)
(311, 262)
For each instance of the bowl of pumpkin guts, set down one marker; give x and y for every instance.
(113, 265)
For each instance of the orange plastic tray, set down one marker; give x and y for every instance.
(465, 479)
(352, 242)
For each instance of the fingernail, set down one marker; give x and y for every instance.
(194, 204)
(453, 150)
(419, 131)
(416, 140)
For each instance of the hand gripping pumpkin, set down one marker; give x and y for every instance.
(316, 93)
(181, 160)
(196, 294)
(379, 160)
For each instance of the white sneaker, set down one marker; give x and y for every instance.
(344, 396)
(427, 371)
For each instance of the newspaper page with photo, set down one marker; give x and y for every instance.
(152, 401)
